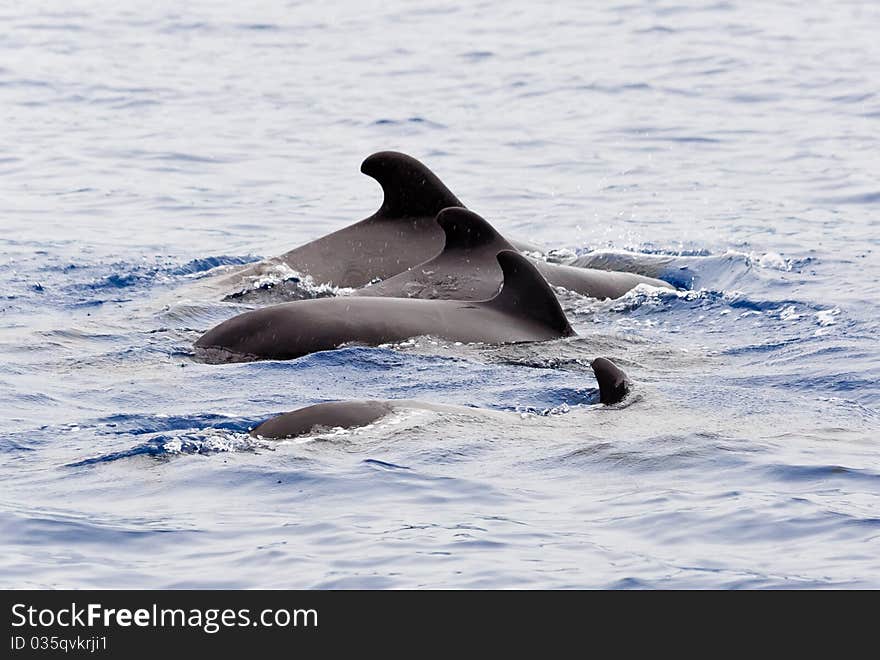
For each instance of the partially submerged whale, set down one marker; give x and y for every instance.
(466, 268)
(613, 382)
(526, 309)
(613, 387)
(400, 235)
(719, 271)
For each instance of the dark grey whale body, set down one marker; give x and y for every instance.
(466, 268)
(526, 309)
(613, 382)
(400, 235)
(330, 415)
(613, 387)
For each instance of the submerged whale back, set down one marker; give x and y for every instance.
(613, 387)
(330, 415)
(524, 310)
(466, 268)
(613, 382)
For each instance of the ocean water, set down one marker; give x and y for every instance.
(733, 145)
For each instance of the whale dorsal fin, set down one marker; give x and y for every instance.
(613, 383)
(526, 293)
(410, 188)
(465, 230)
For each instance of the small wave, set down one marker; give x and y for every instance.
(662, 29)
(210, 441)
(821, 473)
(195, 317)
(550, 400)
(40, 526)
(649, 248)
(348, 355)
(384, 464)
(145, 424)
(280, 283)
(531, 411)
(749, 323)
(197, 266)
(864, 198)
(650, 299)
(11, 446)
(136, 103)
(259, 27)
(409, 122)
(477, 55)
(124, 276)
(827, 317)
(175, 156)
(690, 269)
(121, 280)
(661, 452)
(428, 341)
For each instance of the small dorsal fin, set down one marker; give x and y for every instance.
(526, 293)
(613, 383)
(410, 188)
(465, 230)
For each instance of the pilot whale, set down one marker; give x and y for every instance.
(400, 235)
(613, 387)
(466, 268)
(526, 309)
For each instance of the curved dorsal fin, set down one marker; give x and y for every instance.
(613, 383)
(410, 188)
(465, 230)
(526, 293)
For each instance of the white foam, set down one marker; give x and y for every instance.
(772, 260)
(828, 316)
(277, 273)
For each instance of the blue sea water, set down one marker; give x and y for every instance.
(736, 143)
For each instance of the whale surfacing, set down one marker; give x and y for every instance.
(398, 236)
(613, 387)
(526, 309)
(401, 234)
(330, 415)
(613, 382)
